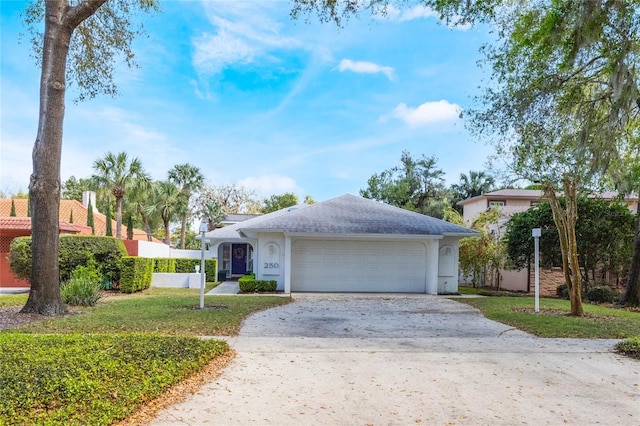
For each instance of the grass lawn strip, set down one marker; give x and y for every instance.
(92, 379)
(553, 320)
(165, 311)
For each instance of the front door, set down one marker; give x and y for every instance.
(238, 259)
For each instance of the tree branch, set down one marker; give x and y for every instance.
(82, 11)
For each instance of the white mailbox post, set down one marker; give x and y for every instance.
(537, 232)
(204, 227)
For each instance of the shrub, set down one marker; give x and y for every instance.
(210, 266)
(81, 291)
(563, 291)
(629, 347)
(136, 274)
(186, 265)
(164, 265)
(602, 294)
(75, 250)
(248, 284)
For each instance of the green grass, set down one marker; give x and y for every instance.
(13, 299)
(629, 347)
(99, 364)
(75, 379)
(553, 320)
(165, 311)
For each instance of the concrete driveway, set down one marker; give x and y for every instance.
(415, 359)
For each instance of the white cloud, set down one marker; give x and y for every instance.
(427, 113)
(267, 185)
(243, 33)
(419, 12)
(363, 67)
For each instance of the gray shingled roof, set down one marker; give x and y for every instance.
(350, 214)
(230, 232)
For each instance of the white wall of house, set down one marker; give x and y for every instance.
(448, 258)
(269, 259)
(473, 209)
(151, 249)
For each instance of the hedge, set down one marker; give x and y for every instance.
(164, 264)
(249, 284)
(136, 274)
(75, 250)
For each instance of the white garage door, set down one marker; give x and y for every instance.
(358, 266)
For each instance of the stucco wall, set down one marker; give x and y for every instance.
(176, 280)
(449, 257)
(269, 259)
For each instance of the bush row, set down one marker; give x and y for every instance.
(109, 256)
(136, 274)
(598, 294)
(185, 265)
(249, 284)
(74, 250)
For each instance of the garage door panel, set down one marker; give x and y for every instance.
(358, 266)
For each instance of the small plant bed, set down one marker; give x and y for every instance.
(75, 379)
(554, 320)
(629, 347)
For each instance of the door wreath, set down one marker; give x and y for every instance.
(238, 253)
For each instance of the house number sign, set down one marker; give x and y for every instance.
(270, 261)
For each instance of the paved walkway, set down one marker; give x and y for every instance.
(400, 360)
(227, 287)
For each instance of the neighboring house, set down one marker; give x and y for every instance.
(20, 225)
(13, 227)
(345, 244)
(510, 202)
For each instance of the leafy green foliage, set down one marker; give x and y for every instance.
(415, 185)
(12, 213)
(602, 294)
(279, 202)
(164, 265)
(77, 379)
(81, 291)
(109, 226)
(604, 233)
(629, 347)
(187, 265)
(90, 218)
(249, 284)
(136, 274)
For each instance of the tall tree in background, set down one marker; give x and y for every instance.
(109, 227)
(90, 218)
(231, 198)
(471, 185)
(188, 178)
(118, 175)
(168, 202)
(416, 185)
(91, 53)
(73, 188)
(12, 213)
(279, 202)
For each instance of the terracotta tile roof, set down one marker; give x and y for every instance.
(80, 213)
(24, 224)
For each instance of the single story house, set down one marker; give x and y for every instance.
(345, 244)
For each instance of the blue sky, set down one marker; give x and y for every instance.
(252, 97)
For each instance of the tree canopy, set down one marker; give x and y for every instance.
(416, 185)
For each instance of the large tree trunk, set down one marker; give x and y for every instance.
(44, 185)
(632, 293)
(565, 220)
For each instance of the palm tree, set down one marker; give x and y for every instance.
(140, 200)
(117, 174)
(189, 178)
(472, 185)
(168, 202)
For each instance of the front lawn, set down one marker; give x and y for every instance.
(99, 364)
(553, 320)
(157, 310)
